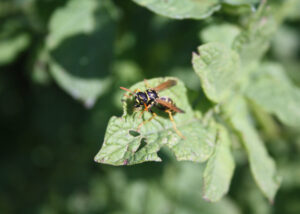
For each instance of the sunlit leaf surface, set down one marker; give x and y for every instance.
(123, 145)
(223, 33)
(262, 165)
(272, 90)
(181, 9)
(219, 169)
(218, 69)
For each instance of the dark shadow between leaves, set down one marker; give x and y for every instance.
(201, 102)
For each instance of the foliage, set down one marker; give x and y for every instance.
(236, 63)
(123, 145)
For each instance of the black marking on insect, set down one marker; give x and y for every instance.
(150, 98)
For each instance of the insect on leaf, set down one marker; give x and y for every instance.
(123, 145)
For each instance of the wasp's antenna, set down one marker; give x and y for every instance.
(126, 89)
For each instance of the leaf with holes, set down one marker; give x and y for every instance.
(123, 145)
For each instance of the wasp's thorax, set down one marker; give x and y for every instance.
(145, 98)
(152, 94)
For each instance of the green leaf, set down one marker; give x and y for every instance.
(150, 196)
(219, 168)
(175, 187)
(12, 46)
(123, 145)
(181, 182)
(285, 44)
(182, 9)
(80, 45)
(222, 33)
(291, 9)
(218, 69)
(262, 165)
(252, 43)
(241, 2)
(78, 14)
(274, 92)
(14, 39)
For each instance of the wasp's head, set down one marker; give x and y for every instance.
(141, 98)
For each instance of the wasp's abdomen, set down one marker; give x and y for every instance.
(167, 99)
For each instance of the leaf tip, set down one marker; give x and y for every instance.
(97, 159)
(195, 54)
(89, 103)
(205, 198)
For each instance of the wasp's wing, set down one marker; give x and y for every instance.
(165, 85)
(169, 105)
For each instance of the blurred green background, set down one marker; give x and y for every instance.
(53, 115)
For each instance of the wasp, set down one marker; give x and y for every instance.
(149, 98)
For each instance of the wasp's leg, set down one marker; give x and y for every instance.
(144, 122)
(147, 108)
(174, 124)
